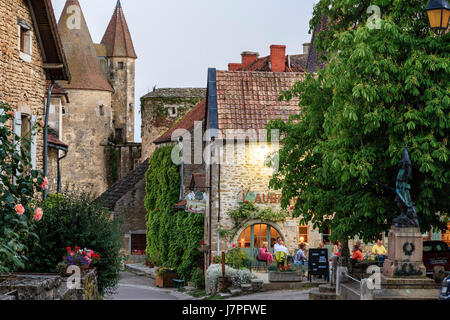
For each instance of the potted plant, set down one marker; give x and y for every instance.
(83, 258)
(284, 274)
(164, 277)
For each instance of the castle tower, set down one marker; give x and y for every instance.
(87, 119)
(120, 70)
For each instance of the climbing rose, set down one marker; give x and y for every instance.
(44, 184)
(11, 113)
(234, 245)
(38, 213)
(19, 209)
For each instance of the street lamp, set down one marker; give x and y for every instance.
(438, 14)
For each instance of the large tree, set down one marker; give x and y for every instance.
(381, 88)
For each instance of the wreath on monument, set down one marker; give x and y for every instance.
(408, 248)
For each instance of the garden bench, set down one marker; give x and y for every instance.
(360, 267)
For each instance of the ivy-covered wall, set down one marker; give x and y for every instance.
(173, 237)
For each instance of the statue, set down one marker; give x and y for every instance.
(408, 214)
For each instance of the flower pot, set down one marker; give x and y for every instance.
(165, 280)
(275, 276)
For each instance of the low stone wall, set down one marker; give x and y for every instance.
(47, 287)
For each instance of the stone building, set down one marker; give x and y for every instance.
(98, 120)
(161, 109)
(31, 53)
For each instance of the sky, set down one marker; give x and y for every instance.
(176, 41)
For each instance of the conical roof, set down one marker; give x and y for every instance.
(80, 51)
(117, 38)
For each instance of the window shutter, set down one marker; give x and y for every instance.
(33, 142)
(17, 131)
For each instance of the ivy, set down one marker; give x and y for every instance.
(173, 237)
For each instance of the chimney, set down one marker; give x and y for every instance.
(278, 58)
(248, 58)
(234, 66)
(306, 47)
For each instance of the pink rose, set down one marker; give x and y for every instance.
(19, 209)
(44, 184)
(38, 213)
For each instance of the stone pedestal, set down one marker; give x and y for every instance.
(404, 254)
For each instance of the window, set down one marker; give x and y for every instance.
(173, 111)
(303, 234)
(138, 244)
(101, 110)
(254, 236)
(326, 235)
(25, 40)
(119, 135)
(121, 65)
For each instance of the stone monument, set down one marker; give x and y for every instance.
(404, 266)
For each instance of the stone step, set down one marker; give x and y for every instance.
(225, 295)
(246, 287)
(315, 294)
(235, 292)
(327, 288)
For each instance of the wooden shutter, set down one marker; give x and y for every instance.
(33, 142)
(17, 131)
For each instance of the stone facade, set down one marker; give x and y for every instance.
(22, 78)
(247, 171)
(87, 126)
(161, 109)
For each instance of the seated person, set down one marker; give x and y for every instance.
(357, 254)
(264, 254)
(300, 257)
(279, 246)
(380, 252)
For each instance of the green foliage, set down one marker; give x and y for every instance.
(243, 212)
(249, 210)
(381, 88)
(173, 238)
(198, 278)
(73, 218)
(235, 258)
(18, 185)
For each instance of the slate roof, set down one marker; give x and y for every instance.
(187, 122)
(249, 100)
(117, 38)
(176, 93)
(313, 62)
(81, 54)
(114, 193)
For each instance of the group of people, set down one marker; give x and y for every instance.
(378, 251)
(279, 247)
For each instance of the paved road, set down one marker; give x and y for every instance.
(133, 287)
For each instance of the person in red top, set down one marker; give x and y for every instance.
(357, 254)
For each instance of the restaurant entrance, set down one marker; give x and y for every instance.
(254, 236)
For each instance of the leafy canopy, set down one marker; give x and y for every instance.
(381, 88)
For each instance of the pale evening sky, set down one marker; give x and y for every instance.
(176, 41)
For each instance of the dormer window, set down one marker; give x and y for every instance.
(25, 40)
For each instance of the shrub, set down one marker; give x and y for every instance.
(235, 258)
(73, 218)
(18, 185)
(198, 278)
(237, 277)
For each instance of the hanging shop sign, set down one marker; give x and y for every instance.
(196, 202)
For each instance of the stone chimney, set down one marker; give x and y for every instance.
(306, 47)
(278, 58)
(248, 58)
(234, 66)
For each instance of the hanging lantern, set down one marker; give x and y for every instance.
(438, 15)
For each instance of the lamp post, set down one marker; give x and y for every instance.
(438, 15)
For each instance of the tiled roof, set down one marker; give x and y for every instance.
(249, 100)
(110, 197)
(117, 38)
(187, 122)
(263, 64)
(58, 90)
(176, 93)
(81, 54)
(300, 59)
(313, 62)
(53, 139)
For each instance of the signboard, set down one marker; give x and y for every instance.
(318, 263)
(196, 202)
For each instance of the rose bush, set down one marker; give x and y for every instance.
(18, 186)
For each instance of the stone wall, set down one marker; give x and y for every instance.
(131, 211)
(123, 82)
(87, 126)
(52, 170)
(157, 117)
(248, 172)
(22, 83)
(47, 287)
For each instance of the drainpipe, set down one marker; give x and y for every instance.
(180, 142)
(218, 214)
(47, 110)
(210, 202)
